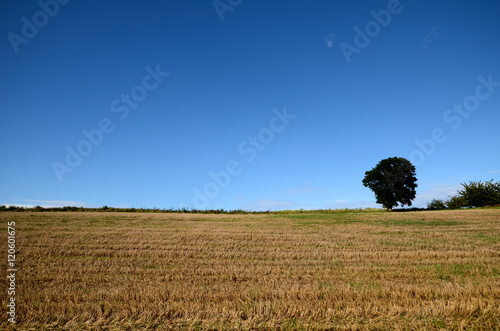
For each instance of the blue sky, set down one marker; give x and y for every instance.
(234, 104)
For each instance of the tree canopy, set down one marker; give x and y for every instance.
(393, 180)
(478, 194)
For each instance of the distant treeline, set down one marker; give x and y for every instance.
(181, 210)
(431, 206)
(123, 210)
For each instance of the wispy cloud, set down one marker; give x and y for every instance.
(439, 191)
(46, 203)
(343, 204)
(494, 171)
(330, 40)
(268, 204)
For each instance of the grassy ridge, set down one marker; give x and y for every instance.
(296, 270)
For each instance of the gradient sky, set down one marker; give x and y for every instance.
(285, 103)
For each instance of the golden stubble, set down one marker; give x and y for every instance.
(359, 270)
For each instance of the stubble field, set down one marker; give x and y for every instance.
(366, 270)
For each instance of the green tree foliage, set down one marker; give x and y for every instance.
(456, 202)
(436, 205)
(478, 194)
(393, 180)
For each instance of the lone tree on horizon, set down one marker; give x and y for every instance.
(393, 180)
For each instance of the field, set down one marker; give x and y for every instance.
(345, 270)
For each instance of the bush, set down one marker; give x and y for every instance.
(38, 208)
(456, 202)
(436, 205)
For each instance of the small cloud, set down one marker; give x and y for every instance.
(122, 206)
(494, 171)
(343, 204)
(330, 40)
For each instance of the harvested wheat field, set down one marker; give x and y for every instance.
(344, 270)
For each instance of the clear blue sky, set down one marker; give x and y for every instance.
(171, 91)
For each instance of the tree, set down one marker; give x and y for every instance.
(436, 205)
(478, 194)
(456, 202)
(393, 180)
